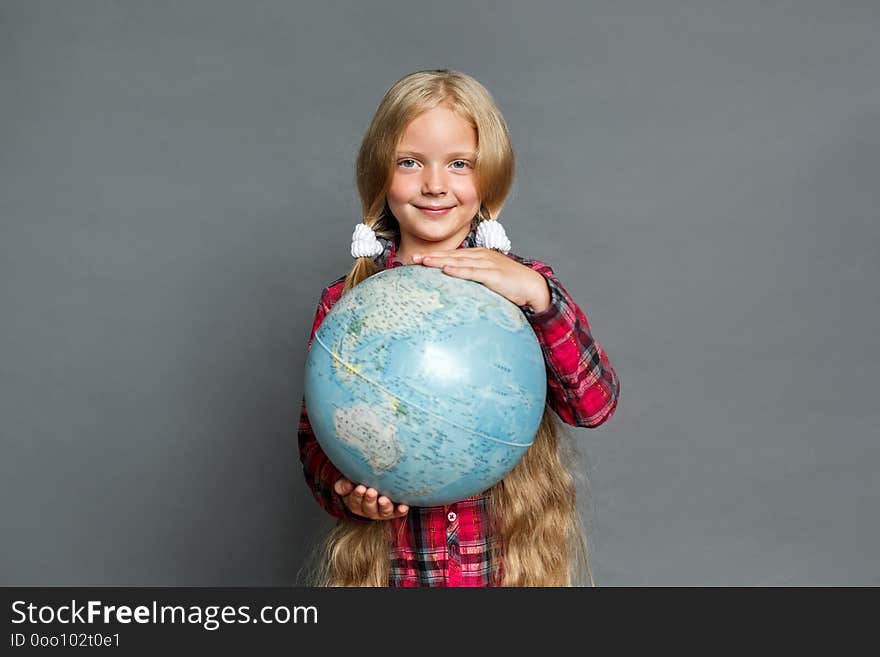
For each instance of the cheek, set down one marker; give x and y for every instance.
(467, 193)
(400, 191)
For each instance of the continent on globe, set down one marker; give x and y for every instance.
(371, 434)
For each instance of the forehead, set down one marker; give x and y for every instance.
(439, 130)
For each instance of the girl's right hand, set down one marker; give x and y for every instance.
(367, 502)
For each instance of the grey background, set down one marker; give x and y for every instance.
(176, 187)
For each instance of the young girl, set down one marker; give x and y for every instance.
(433, 171)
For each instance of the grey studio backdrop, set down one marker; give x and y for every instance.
(176, 187)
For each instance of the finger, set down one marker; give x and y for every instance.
(343, 486)
(459, 264)
(476, 260)
(478, 274)
(369, 505)
(356, 500)
(386, 508)
(434, 254)
(402, 509)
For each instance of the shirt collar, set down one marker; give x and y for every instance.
(390, 251)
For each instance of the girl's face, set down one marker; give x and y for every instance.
(434, 168)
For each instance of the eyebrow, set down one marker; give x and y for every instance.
(470, 154)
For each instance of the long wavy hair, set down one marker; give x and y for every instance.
(539, 539)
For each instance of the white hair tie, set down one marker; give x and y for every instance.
(491, 235)
(364, 242)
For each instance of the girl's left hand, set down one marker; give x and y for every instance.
(515, 282)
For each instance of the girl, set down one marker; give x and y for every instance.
(433, 171)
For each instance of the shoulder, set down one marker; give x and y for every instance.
(329, 296)
(332, 291)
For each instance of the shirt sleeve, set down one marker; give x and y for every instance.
(582, 387)
(319, 471)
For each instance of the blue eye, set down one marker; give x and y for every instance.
(409, 159)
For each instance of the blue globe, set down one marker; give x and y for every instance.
(426, 387)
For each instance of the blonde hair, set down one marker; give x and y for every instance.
(539, 538)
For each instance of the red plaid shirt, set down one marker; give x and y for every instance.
(449, 545)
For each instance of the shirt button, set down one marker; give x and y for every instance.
(451, 516)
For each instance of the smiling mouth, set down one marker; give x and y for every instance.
(435, 211)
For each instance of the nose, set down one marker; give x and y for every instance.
(434, 180)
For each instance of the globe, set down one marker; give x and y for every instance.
(427, 387)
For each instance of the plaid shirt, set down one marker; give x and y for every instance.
(449, 545)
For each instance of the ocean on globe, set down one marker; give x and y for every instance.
(426, 387)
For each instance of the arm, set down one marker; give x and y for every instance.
(582, 387)
(320, 473)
